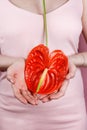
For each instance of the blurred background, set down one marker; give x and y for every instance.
(83, 47)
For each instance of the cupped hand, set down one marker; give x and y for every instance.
(62, 91)
(15, 74)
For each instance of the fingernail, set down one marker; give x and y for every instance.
(44, 100)
(52, 97)
(33, 103)
(12, 81)
(36, 103)
(25, 101)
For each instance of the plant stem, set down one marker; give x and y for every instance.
(45, 22)
(46, 36)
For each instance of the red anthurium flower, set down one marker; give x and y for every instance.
(44, 71)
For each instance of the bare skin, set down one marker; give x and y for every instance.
(15, 67)
(35, 6)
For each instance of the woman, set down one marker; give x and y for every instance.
(21, 28)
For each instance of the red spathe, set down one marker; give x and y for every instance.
(37, 61)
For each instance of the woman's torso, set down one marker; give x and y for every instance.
(21, 30)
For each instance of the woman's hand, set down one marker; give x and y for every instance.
(61, 92)
(15, 74)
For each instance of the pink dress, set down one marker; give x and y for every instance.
(20, 31)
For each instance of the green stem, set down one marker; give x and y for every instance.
(45, 22)
(46, 36)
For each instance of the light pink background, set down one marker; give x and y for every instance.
(83, 47)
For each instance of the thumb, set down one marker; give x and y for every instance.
(10, 76)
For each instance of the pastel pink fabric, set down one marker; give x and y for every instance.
(20, 31)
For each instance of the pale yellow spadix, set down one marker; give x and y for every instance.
(41, 79)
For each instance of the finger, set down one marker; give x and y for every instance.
(31, 99)
(35, 95)
(72, 71)
(18, 95)
(10, 76)
(36, 98)
(46, 99)
(41, 96)
(10, 79)
(61, 92)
